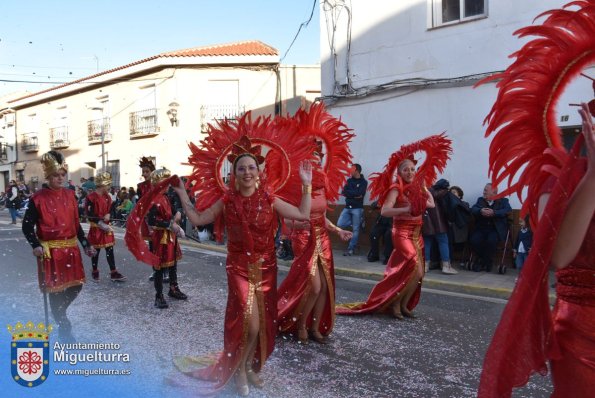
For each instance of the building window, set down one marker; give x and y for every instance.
(447, 12)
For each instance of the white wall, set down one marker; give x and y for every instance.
(391, 41)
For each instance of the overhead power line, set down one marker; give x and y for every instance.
(303, 25)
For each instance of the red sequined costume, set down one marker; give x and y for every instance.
(251, 276)
(408, 244)
(527, 152)
(97, 207)
(251, 224)
(311, 247)
(164, 241)
(54, 213)
(407, 253)
(310, 242)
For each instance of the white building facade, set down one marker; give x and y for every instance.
(398, 71)
(153, 107)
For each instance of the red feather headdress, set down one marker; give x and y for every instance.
(229, 139)
(437, 149)
(146, 162)
(324, 131)
(528, 140)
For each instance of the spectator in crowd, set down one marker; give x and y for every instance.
(132, 195)
(459, 219)
(13, 202)
(71, 186)
(522, 245)
(89, 185)
(81, 205)
(125, 206)
(491, 226)
(382, 228)
(23, 190)
(435, 227)
(354, 192)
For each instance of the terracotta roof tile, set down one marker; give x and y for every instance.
(244, 48)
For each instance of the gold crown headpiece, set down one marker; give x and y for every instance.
(243, 146)
(146, 162)
(30, 331)
(103, 179)
(159, 175)
(51, 165)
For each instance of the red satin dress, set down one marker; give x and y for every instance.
(311, 246)
(164, 242)
(141, 189)
(407, 253)
(56, 230)
(574, 323)
(101, 206)
(252, 278)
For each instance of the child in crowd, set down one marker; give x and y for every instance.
(522, 245)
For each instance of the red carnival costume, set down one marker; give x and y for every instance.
(528, 141)
(51, 226)
(406, 234)
(251, 222)
(164, 241)
(311, 243)
(57, 225)
(97, 207)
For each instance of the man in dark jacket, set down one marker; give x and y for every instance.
(491, 225)
(435, 227)
(382, 228)
(354, 192)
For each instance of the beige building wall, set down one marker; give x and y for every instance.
(199, 92)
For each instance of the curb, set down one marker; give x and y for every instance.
(429, 282)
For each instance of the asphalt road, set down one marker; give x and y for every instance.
(439, 354)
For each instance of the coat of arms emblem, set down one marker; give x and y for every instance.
(29, 353)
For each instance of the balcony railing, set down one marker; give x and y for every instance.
(143, 123)
(30, 142)
(3, 151)
(97, 127)
(59, 137)
(211, 114)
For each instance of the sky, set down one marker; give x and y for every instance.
(62, 40)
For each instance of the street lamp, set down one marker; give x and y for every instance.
(172, 113)
(99, 107)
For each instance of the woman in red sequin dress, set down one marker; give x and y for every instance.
(404, 200)
(307, 294)
(250, 210)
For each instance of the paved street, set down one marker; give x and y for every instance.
(439, 354)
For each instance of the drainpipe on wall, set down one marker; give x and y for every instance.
(278, 103)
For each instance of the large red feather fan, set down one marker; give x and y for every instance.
(133, 237)
(437, 149)
(329, 136)
(528, 140)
